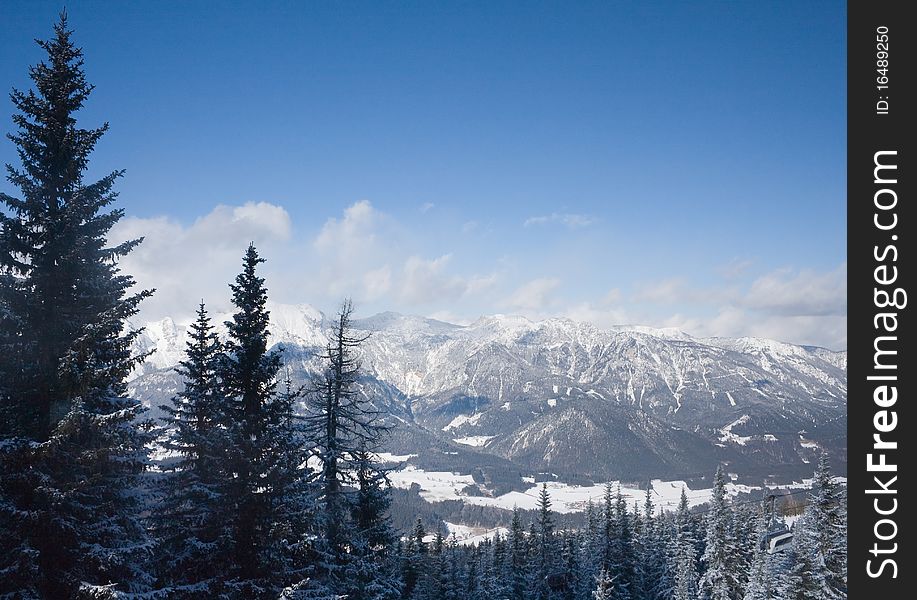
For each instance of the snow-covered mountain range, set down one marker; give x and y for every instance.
(568, 398)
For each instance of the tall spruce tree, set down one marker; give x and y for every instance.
(817, 562)
(828, 521)
(719, 580)
(653, 576)
(187, 521)
(604, 586)
(72, 447)
(265, 496)
(617, 543)
(371, 567)
(684, 557)
(802, 579)
(414, 560)
(761, 580)
(518, 557)
(545, 549)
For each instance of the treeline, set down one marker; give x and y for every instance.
(253, 486)
(636, 553)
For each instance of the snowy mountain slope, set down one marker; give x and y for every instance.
(568, 397)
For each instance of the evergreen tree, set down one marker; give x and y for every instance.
(545, 551)
(802, 580)
(518, 557)
(370, 571)
(73, 447)
(761, 582)
(744, 538)
(617, 543)
(265, 503)
(432, 584)
(573, 575)
(498, 566)
(653, 577)
(592, 549)
(474, 588)
(818, 559)
(341, 423)
(719, 581)
(827, 519)
(684, 556)
(187, 521)
(453, 580)
(604, 586)
(414, 561)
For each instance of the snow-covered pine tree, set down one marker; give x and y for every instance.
(186, 520)
(761, 580)
(617, 543)
(803, 578)
(817, 562)
(604, 586)
(571, 560)
(498, 560)
(636, 521)
(684, 557)
(517, 565)
(414, 559)
(429, 578)
(371, 573)
(719, 580)
(72, 446)
(827, 519)
(744, 538)
(473, 587)
(340, 422)
(545, 549)
(453, 588)
(655, 580)
(592, 549)
(265, 502)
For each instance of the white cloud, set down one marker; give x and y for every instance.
(613, 296)
(677, 291)
(534, 295)
(791, 305)
(351, 234)
(829, 331)
(569, 220)
(377, 282)
(427, 207)
(187, 263)
(800, 293)
(601, 316)
(424, 281)
(350, 256)
(361, 254)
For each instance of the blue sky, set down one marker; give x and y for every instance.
(662, 163)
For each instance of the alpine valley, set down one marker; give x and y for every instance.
(505, 399)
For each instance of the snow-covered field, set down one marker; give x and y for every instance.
(466, 535)
(474, 440)
(436, 486)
